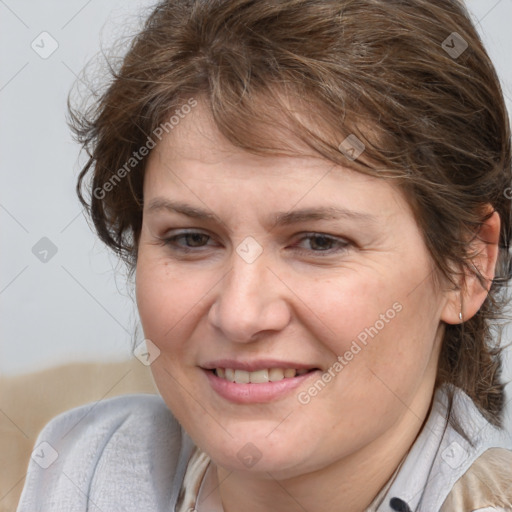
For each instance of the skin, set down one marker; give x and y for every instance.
(294, 302)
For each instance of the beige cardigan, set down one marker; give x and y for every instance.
(489, 480)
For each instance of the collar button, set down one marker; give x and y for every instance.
(399, 505)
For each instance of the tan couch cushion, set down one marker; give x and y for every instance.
(28, 402)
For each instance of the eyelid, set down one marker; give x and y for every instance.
(342, 243)
(169, 239)
(185, 231)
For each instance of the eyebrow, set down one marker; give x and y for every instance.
(322, 213)
(159, 203)
(279, 219)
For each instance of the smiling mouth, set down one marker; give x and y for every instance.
(260, 376)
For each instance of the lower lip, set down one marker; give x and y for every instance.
(255, 393)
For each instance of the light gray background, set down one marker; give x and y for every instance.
(75, 307)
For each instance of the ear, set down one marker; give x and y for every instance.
(484, 246)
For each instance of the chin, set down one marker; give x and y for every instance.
(256, 454)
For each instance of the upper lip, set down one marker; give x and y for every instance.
(255, 365)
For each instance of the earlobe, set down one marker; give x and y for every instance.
(464, 303)
(454, 311)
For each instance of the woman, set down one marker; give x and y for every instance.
(313, 197)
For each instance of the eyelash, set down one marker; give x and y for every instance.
(343, 244)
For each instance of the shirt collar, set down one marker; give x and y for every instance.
(440, 455)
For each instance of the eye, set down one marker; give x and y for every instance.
(187, 241)
(321, 243)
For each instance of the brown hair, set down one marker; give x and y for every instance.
(410, 81)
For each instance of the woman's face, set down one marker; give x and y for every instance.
(251, 268)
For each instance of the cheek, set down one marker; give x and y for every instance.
(341, 309)
(166, 300)
(378, 324)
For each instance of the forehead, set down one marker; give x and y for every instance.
(194, 158)
(195, 141)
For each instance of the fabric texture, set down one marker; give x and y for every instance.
(125, 454)
(193, 483)
(29, 401)
(489, 480)
(440, 457)
(130, 454)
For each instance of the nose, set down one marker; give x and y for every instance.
(250, 301)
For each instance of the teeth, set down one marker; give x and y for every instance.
(241, 377)
(276, 374)
(259, 376)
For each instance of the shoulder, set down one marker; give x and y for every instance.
(109, 452)
(486, 486)
(121, 419)
(107, 414)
